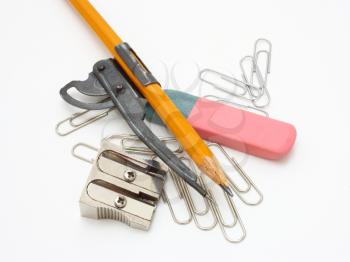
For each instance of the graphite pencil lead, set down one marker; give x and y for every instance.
(227, 190)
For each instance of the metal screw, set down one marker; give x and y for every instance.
(119, 87)
(120, 202)
(101, 68)
(130, 175)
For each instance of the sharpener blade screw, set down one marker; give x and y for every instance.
(130, 175)
(120, 202)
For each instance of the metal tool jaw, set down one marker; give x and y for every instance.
(108, 80)
(122, 188)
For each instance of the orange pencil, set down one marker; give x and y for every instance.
(195, 147)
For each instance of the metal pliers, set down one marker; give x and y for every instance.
(108, 79)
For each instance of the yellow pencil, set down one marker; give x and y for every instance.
(192, 143)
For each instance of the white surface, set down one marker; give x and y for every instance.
(305, 214)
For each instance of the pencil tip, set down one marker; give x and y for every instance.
(227, 190)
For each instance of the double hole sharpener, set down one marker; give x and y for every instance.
(122, 188)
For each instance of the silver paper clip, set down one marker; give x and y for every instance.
(216, 216)
(253, 86)
(71, 124)
(250, 187)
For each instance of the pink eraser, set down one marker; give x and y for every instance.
(242, 130)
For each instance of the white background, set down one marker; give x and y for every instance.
(305, 214)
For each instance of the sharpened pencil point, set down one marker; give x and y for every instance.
(227, 190)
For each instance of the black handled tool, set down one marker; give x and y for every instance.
(107, 79)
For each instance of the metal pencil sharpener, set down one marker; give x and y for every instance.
(122, 188)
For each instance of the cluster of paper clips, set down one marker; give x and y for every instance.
(196, 207)
(252, 89)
